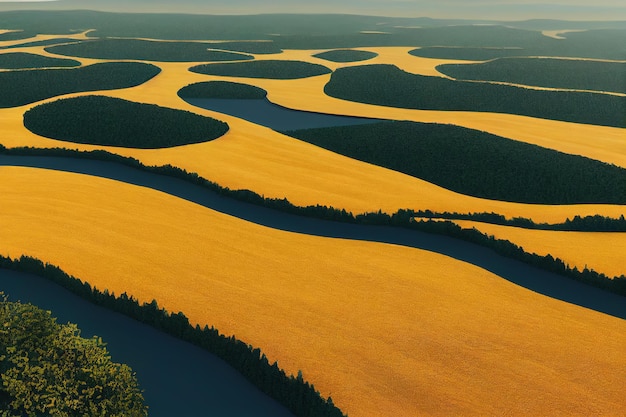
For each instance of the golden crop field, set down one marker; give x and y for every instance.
(269, 163)
(602, 252)
(384, 329)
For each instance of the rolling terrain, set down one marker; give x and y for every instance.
(382, 328)
(376, 300)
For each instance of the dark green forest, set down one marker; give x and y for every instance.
(146, 50)
(545, 72)
(22, 60)
(100, 120)
(47, 369)
(329, 32)
(397, 88)
(475, 163)
(23, 87)
(297, 395)
(276, 70)
(346, 55)
(222, 89)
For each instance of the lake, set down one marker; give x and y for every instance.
(265, 113)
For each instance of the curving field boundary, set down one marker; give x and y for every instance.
(535, 279)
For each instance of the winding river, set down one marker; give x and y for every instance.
(182, 380)
(517, 272)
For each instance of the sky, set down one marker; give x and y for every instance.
(471, 9)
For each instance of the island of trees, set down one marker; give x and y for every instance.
(222, 89)
(346, 55)
(101, 120)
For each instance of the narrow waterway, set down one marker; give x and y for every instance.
(265, 113)
(519, 273)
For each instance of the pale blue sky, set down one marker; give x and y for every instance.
(471, 9)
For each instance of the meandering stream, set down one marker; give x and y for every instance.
(182, 380)
(535, 279)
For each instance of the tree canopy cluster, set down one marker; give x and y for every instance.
(147, 50)
(222, 89)
(397, 88)
(545, 72)
(23, 87)
(272, 69)
(101, 120)
(47, 369)
(346, 55)
(475, 163)
(22, 60)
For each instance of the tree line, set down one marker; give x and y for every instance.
(402, 218)
(298, 395)
(594, 223)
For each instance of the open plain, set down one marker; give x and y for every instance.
(384, 329)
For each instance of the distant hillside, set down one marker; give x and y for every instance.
(599, 10)
(323, 31)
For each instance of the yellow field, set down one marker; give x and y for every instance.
(602, 252)
(257, 158)
(385, 330)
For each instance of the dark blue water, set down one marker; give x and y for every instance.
(178, 379)
(519, 273)
(265, 113)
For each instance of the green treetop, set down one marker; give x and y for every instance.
(47, 369)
